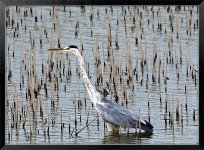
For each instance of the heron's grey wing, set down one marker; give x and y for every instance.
(116, 114)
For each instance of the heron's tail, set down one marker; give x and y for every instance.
(146, 126)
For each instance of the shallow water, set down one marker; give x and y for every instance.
(35, 129)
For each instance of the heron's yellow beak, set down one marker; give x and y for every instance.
(60, 50)
(55, 50)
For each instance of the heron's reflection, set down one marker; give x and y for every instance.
(126, 138)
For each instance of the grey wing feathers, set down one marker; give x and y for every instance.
(116, 114)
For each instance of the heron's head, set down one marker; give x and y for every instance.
(67, 49)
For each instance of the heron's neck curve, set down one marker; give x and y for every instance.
(90, 88)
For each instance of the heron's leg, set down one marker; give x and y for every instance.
(112, 128)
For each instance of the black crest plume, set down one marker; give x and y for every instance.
(73, 46)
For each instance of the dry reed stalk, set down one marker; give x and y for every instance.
(178, 66)
(115, 82)
(51, 41)
(181, 117)
(31, 39)
(41, 106)
(177, 110)
(108, 27)
(110, 88)
(29, 119)
(87, 119)
(21, 70)
(159, 71)
(136, 68)
(180, 48)
(48, 125)
(126, 99)
(69, 126)
(116, 41)
(169, 107)
(187, 64)
(139, 123)
(120, 60)
(186, 98)
(61, 121)
(75, 117)
(8, 128)
(172, 112)
(149, 109)
(193, 114)
(123, 91)
(128, 59)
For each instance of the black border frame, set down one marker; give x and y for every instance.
(4, 3)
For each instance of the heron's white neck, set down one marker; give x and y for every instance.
(90, 88)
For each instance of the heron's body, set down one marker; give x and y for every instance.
(112, 113)
(116, 114)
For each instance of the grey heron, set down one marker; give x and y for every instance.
(112, 113)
